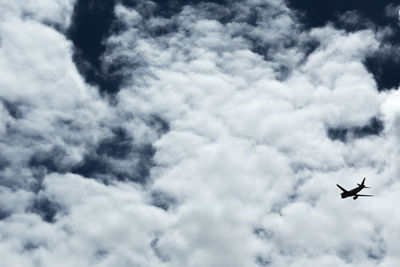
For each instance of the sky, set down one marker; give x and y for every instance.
(199, 133)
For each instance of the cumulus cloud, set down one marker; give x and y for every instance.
(219, 148)
(57, 13)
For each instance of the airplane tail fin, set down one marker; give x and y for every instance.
(344, 190)
(362, 184)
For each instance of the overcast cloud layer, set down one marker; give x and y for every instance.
(219, 144)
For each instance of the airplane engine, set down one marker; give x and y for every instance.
(355, 197)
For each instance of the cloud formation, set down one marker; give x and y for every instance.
(56, 13)
(221, 147)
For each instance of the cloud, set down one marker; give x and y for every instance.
(56, 13)
(235, 128)
(54, 124)
(47, 107)
(218, 149)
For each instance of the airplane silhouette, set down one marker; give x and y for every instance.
(353, 192)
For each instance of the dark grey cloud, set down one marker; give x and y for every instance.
(45, 208)
(163, 200)
(106, 163)
(3, 214)
(4, 162)
(13, 109)
(373, 127)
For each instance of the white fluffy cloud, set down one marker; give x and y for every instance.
(247, 158)
(47, 11)
(49, 98)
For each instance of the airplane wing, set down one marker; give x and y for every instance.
(344, 190)
(364, 195)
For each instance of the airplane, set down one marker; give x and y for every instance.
(353, 192)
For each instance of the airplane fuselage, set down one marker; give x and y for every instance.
(352, 192)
